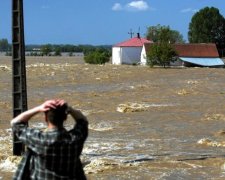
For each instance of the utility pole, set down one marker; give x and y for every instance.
(19, 87)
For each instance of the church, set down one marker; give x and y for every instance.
(129, 51)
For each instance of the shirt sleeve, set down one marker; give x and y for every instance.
(29, 136)
(80, 130)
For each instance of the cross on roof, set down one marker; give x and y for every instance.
(131, 33)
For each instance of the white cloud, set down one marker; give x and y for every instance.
(187, 10)
(137, 5)
(117, 7)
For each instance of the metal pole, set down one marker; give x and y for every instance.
(19, 68)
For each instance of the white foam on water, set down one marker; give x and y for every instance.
(130, 146)
(192, 82)
(195, 166)
(99, 165)
(6, 141)
(9, 130)
(103, 126)
(8, 166)
(209, 142)
(138, 107)
(223, 167)
(89, 112)
(122, 152)
(102, 147)
(56, 66)
(5, 138)
(5, 67)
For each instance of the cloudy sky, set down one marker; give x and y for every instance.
(99, 21)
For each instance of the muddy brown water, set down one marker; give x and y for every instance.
(177, 131)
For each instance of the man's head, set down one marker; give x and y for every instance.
(57, 116)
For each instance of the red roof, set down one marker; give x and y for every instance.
(133, 42)
(194, 50)
(197, 50)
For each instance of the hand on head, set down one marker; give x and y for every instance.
(51, 104)
(60, 102)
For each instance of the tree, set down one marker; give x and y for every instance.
(46, 49)
(161, 54)
(207, 26)
(57, 51)
(99, 56)
(163, 33)
(4, 45)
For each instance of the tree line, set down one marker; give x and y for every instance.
(54, 49)
(206, 26)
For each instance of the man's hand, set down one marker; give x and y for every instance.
(60, 102)
(51, 104)
(46, 106)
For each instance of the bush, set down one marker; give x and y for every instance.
(97, 57)
(161, 54)
(57, 52)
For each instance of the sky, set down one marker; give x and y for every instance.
(99, 22)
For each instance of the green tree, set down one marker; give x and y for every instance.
(57, 51)
(163, 34)
(4, 45)
(161, 54)
(46, 49)
(207, 26)
(98, 56)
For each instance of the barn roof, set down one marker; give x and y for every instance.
(194, 50)
(197, 50)
(133, 42)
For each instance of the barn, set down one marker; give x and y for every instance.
(189, 55)
(128, 52)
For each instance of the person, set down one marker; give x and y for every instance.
(55, 152)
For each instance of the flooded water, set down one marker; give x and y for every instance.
(144, 123)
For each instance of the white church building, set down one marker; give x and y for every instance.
(128, 52)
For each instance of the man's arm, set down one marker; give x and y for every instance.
(76, 114)
(81, 126)
(27, 115)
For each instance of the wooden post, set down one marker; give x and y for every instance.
(19, 87)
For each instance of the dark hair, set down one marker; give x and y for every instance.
(57, 116)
